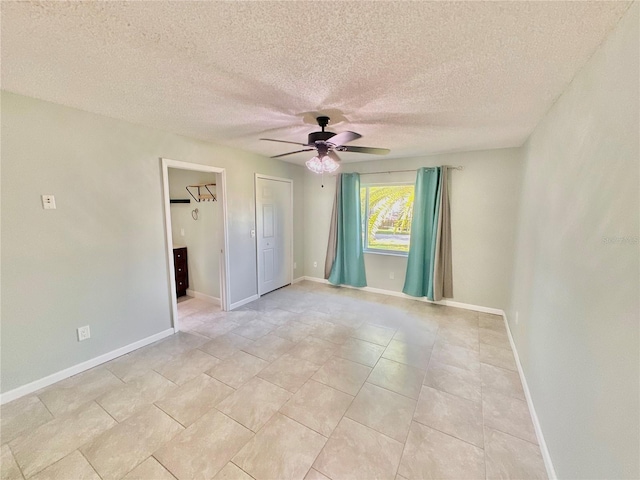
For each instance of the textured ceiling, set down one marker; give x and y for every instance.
(415, 77)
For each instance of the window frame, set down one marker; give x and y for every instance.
(365, 222)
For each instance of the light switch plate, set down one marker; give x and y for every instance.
(84, 333)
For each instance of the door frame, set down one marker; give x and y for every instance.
(255, 195)
(224, 257)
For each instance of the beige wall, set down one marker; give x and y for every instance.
(202, 237)
(484, 199)
(99, 259)
(576, 276)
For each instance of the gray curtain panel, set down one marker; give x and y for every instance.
(443, 270)
(332, 245)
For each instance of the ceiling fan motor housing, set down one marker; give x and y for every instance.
(319, 137)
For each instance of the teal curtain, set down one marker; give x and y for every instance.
(419, 280)
(348, 263)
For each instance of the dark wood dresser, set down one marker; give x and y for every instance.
(181, 270)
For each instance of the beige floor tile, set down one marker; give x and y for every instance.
(498, 357)
(232, 472)
(254, 329)
(119, 450)
(187, 366)
(491, 337)
(203, 449)
(180, 343)
(384, 411)
(454, 380)
(448, 316)
(282, 449)
(124, 401)
(450, 414)
(374, 334)
(318, 407)
(502, 381)
(314, 350)
(344, 375)
(332, 332)
(150, 469)
(269, 348)
(407, 353)
(355, 451)
(9, 469)
(360, 351)
(67, 395)
(315, 475)
(193, 399)
(58, 438)
(238, 369)
(22, 416)
(509, 457)
(216, 327)
(289, 372)
(224, 346)
(466, 337)
(491, 322)
(397, 377)
(456, 356)
(254, 403)
(424, 336)
(508, 415)
(293, 331)
(73, 466)
(432, 454)
(278, 317)
(138, 362)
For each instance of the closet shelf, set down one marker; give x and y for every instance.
(204, 194)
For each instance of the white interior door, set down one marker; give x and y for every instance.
(274, 218)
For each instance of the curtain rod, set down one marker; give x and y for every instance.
(459, 167)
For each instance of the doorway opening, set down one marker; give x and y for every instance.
(195, 210)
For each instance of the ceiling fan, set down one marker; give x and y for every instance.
(327, 144)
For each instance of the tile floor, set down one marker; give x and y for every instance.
(309, 382)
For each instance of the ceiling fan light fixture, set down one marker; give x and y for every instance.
(329, 165)
(324, 164)
(315, 165)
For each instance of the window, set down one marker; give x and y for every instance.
(386, 214)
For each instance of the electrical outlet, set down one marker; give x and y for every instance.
(315, 264)
(392, 275)
(84, 333)
(48, 202)
(295, 265)
(182, 232)
(252, 233)
(517, 320)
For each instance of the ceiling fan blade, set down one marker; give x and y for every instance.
(291, 153)
(375, 151)
(334, 156)
(344, 137)
(283, 141)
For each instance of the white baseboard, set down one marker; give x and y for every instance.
(203, 296)
(544, 450)
(244, 301)
(391, 293)
(81, 367)
(298, 280)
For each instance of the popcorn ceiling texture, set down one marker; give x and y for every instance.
(418, 78)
